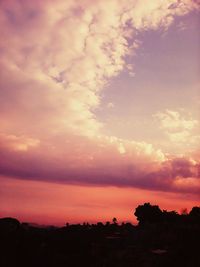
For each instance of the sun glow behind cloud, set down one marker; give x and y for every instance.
(57, 57)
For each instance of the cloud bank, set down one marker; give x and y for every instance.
(56, 58)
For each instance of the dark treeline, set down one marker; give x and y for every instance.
(148, 213)
(161, 239)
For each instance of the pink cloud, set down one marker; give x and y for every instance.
(100, 163)
(56, 58)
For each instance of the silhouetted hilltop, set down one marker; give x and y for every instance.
(162, 238)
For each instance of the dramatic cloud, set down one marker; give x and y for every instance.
(107, 161)
(56, 57)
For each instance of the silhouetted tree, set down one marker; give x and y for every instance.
(170, 216)
(107, 223)
(195, 214)
(9, 224)
(114, 220)
(148, 213)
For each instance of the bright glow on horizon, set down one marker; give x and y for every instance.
(58, 204)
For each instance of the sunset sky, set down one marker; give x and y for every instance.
(99, 108)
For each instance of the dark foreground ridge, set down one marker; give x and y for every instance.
(161, 239)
